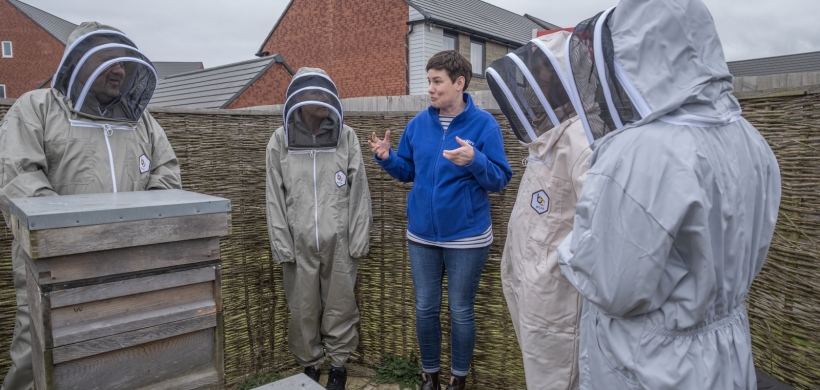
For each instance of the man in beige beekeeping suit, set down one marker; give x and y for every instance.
(529, 85)
(89, 133)
(319, 217)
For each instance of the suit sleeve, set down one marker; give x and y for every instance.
(281, 239)
(164, 173)
(490, 166)
(399, 164)
(361, 215)
(617, 253)
(23, 162)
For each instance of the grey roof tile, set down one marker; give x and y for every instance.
(55, 26)
(209, 88)
(479, 16)
(792, 63)
(166, 68)
(541, 22)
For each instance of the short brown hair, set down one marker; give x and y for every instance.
(454, 63)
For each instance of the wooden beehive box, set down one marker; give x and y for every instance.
(124, 289)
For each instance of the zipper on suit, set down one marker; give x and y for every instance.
(312, 154)
(107, 132)
(315, 200)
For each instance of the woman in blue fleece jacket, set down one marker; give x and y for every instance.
(453, 153)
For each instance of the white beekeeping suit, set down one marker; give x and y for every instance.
(87, 134)
(530, 86)
(319, 218)
(678, 208)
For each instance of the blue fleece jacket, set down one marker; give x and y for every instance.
(447, 201)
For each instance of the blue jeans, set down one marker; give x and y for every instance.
(463, 267)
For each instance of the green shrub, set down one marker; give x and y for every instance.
(399, 369)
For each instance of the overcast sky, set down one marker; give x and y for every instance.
(218, 32)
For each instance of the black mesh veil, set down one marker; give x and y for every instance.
(312, 113)
(105, 75)
(591, 59)
(530, 90)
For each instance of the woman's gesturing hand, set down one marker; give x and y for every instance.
(380, 147)
(461, 156)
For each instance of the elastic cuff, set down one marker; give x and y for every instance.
(460, 374)
(430, 370)
(338, 361)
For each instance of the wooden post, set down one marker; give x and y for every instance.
(124, 289)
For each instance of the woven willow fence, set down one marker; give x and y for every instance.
(222, 154)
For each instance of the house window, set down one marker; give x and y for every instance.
(2, 91)
(6, 49)
(477, 57)
(450, 42)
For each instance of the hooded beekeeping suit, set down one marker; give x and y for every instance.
(530, 86)
(89, 133)
(319, 217)
(677, 210)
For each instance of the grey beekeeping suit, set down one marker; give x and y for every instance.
(319, 217)
(63, 141)
(531, 88)
(678, 208)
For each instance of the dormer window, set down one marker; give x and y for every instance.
(6, 49)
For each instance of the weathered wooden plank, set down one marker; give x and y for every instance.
(208, 379)
(21, 234)
(76, 296)
(42, 366)
(36, 310)
(139, 366)
(219, 346)
(218, 287)
(92, 238)
(129, 339)
(63, 269)
(86, 321)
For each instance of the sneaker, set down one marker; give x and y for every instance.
(313, 373)
(337, 378)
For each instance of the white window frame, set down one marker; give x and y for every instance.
(3, 49)
(480, 67)
(3, 95)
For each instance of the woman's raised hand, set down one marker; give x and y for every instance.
(380, 147)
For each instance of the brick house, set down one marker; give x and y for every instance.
(381, 47)
(32, 43)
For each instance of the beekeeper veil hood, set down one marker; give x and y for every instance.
(649, 60)
(104, 75)
(312, 111)
(530, 86)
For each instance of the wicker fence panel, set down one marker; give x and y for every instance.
(223, 154)
(784, 304)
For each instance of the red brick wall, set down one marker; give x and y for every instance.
(360, 43)
(268, 89)
(36, 53)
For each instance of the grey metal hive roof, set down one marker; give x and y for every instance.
(213, 87)
(477, 17)
(165, 69)
(792, 63)
(59, 28)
